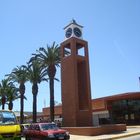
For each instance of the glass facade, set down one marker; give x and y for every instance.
(125, 111)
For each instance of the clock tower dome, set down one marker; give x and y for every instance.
(73, 30)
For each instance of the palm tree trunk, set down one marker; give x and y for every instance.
(10, 105)
(52, 99)
(34, 91)
(3, 106)
(22, 91)
(34, 108)
(3, 102)
(22, 109)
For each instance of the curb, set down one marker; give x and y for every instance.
(121, 136)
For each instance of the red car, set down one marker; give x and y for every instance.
(45, 131)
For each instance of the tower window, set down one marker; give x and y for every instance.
(67, 50)
(80, 49)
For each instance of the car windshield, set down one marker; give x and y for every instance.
(48, 126)
(7, 118)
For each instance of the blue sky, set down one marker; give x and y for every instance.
(111, 27)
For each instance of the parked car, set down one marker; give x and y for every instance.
(9, 128)
(45, 131)
(24, 127)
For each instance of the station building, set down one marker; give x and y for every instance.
(120, 108)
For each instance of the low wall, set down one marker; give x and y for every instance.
(97, 130)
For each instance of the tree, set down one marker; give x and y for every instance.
(19, 75)
(50, 59)
(3, 91)
(36, 74)
(12, 94)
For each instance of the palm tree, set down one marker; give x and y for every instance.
(50, 59)
(12, 94)
(36, 74)
(19, 75)
(3, 91)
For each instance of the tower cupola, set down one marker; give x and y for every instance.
(73, 30)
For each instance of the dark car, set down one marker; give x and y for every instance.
(24, 127)
(45, 131)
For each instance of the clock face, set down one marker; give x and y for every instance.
(68, 32)
(77, 32)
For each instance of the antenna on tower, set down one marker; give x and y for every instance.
(139, 80)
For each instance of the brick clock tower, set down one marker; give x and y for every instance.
(76, 94)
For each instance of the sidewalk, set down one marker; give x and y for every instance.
(131, 130)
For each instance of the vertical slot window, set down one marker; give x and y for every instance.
(67, 50)
(80, 50)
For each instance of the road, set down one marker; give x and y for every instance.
(136, 137)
